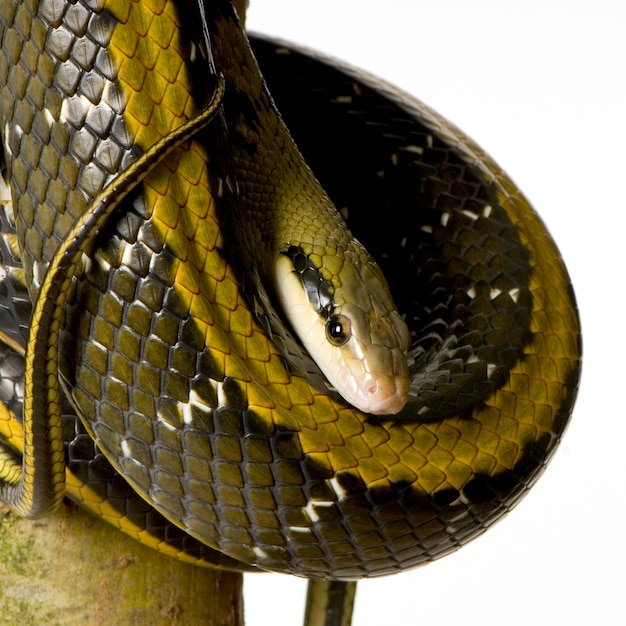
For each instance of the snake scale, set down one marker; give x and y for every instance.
(191, 389)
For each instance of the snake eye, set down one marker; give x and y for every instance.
(338, 330)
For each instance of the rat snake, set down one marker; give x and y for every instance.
(171, 348)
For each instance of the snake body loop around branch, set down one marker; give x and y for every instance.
(174, 352)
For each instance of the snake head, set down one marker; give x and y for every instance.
(349, 324)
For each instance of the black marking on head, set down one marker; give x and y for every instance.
(319, 290)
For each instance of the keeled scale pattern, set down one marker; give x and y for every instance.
(281, 475)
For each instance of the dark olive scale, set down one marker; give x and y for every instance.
(495, 349)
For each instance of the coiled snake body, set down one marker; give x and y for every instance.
(174, 353)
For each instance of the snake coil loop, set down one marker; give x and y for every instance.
(173, 353)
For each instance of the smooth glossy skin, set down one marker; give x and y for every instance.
(173, 354)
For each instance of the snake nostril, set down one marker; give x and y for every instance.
(373, 388)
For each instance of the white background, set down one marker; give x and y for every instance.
(541, 86)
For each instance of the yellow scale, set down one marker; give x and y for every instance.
(148, 56)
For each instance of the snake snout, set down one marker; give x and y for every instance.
(379, 382)
(385, 395)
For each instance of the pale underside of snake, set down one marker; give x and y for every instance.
(184, 364)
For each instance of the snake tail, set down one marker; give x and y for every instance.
(329, 603)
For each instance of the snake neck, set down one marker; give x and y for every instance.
(325, 283)
(279, 201)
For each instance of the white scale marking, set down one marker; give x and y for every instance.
(337, 488)
(221, 396)
(187, 413)
(196, 402)
(413, 149)
(102, 263)
(494, 292)
(126, 449)
(7, 129)
(167, 425)
(127, 255)
(39, 271)
(260, 553)
(48, 117)
(310, 509)
(473, 216)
